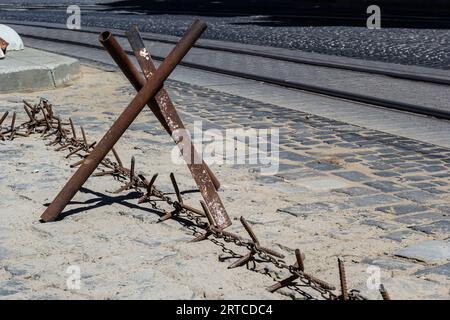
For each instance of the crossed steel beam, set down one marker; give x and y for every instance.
(150, 93)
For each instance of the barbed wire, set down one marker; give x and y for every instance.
(51, 125)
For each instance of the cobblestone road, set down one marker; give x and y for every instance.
(422, 47)
(398, 185)
(342, 190)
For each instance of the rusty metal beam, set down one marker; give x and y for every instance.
(138, 81)
(203, 176)
(108, 141)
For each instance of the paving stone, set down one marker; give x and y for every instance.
(440, 270)
(287, 188)
(427, 251)
(416, 178)
(444, 175)
(372, 200)
(422, 185)
(352, 160)
(420, 218)
(292, 156)
(407, 171)
(370, 157)
(435, 168)
(299, 175)
(322, 166)
(352, 175)
(400, 235)
(385, 186)
(322, 183)
(384, 225)
(380, 166)
(444, 208)
(356, 191)
(416, 196)
(402, 208)
(286, 167)
(310, 143)
(10, 287)
(437, 227)
(268, 179)
(346, 145)
(435, 191)
(387, 150)
(15, 271)
(389, 263)
(304, 210)
(352, 137)
(406, 165)
(386, 174)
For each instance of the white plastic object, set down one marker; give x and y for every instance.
(2, 55)
(10, 36)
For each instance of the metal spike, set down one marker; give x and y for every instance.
(175, 187)
(132, 169)
(384, 293)
(4, 117)
(84, 135)
(241, 261)
(249, 230)
(208, 214)
(343, 280)
(116, 155)
(299, 257)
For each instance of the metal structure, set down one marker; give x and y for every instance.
(166, 113)
(144, 96)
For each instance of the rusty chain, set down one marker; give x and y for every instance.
(52, 125)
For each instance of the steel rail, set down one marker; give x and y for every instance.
(305, 61)
(385, 103)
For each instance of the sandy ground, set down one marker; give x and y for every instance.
(121, 250)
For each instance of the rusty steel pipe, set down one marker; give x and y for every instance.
(194, 210)
(108, 141)
(133, 75)
(384, 294)
(343, 279)
(4, 117)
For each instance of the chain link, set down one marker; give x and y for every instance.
(121, 174)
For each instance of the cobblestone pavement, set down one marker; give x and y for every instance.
(394, 175)
(422, 47)
(342, 190)
(399, 186)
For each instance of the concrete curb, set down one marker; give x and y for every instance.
(33, 69)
